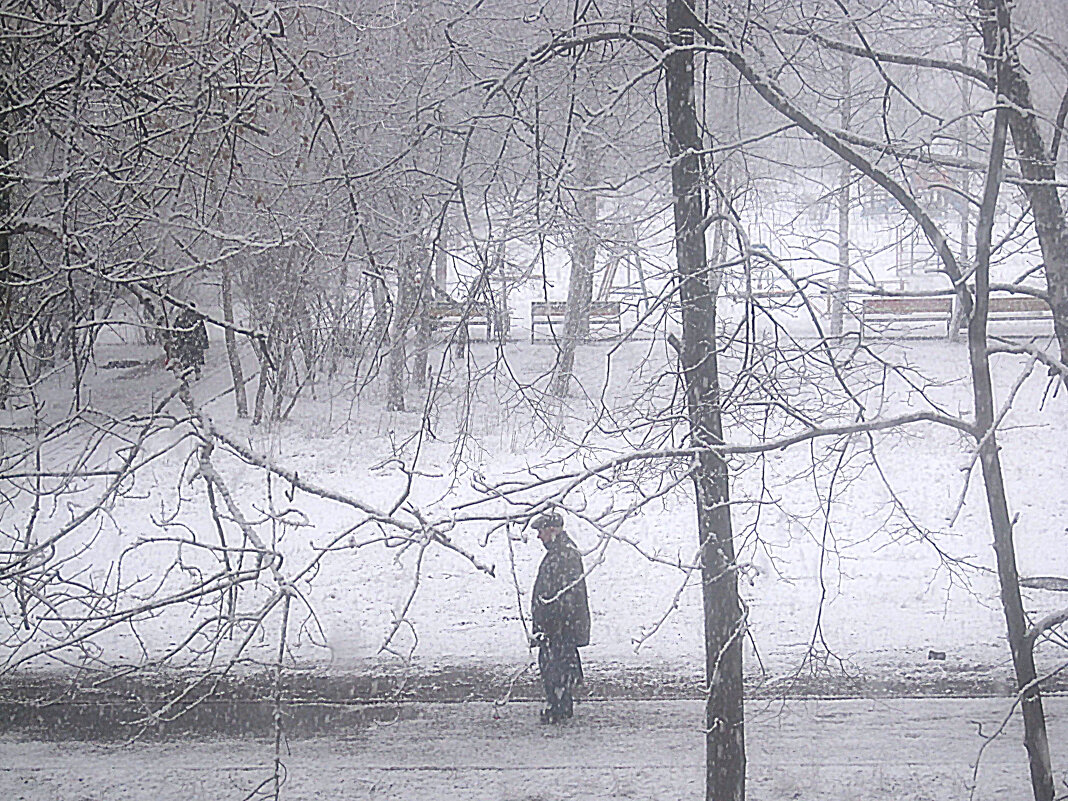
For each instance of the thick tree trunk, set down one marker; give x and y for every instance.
(261, 394)
(1037, 165)
(240, 399)
(6, 322)
(380, 323)
(502, 319)
(1008, 74)
(1035, 737)
(396, 376)
(584, 254)
(422, 296)
(5, 245)
(280, 379)
(576, 324)
(996, 32)
(441, 261)
(583, 262)
(724, 621)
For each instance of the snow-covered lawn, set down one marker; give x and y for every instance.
(881, 597)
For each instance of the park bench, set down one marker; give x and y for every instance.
(939, 309)
(1018, 308)
(449, 314)
(603, 314)
(874, 311)
(766, 295)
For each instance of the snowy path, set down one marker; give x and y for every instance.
(902, 749)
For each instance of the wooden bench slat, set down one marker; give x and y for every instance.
(906, 306)
(553, 312)
(1018, 303)
(940, 309)
(452, 313)
(557, 308)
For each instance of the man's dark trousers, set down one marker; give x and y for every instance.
(561, 670)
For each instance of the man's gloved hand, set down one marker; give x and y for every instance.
(539, 640)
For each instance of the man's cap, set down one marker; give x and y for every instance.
(547, 520)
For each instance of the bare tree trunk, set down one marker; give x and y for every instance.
(841, 286)
(723, 618)
(584, 256)
(398, 330)
(281, 376)
(421, 299)
(580, 283)
(380, 324)
(5, 243)
(1038, 165)
(502, 318)
(240, 399)
(261, 393)
(6, 322)
(996, 34)
(340, 326)
(576, 320)
(956, 319)
(441, 260)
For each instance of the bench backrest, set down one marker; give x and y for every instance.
(439, 309)
(557, 308)
(1017, 303)
(907, 306)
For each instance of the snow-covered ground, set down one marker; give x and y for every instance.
(858, 591)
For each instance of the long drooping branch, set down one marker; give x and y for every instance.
(770, 91)
(373, 514)
(886, 57)
(564, 483)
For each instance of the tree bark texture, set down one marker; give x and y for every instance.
(421, 298)
(997, 46)
(5, 244)
(261, 393)
(7, 323)
(382, 312)
(396, 377)
(441, 261)
(240, 398)
(501, 318)
(723, 618)
(583, 262)
(1037, 164)
(576, 319)
(584, 245)
(976, 311)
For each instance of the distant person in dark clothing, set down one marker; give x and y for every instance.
(561, 616)
(189, 340)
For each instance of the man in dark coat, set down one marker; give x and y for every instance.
(190, 339)
(561, 616)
